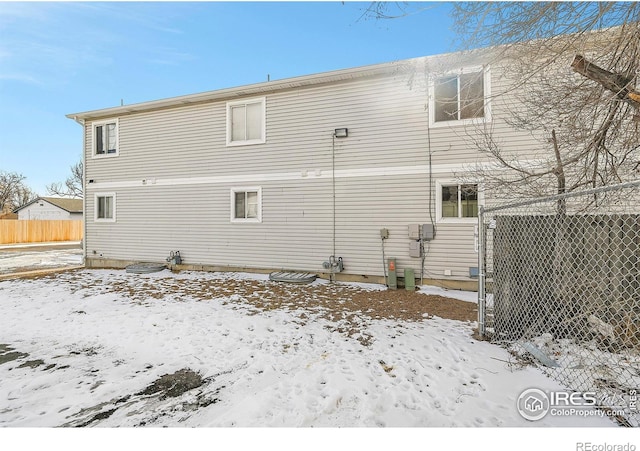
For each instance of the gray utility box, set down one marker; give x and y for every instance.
(414, 231)
(415, 249)
(428, 232)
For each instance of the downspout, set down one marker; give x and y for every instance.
(81, 122)
(333, 188)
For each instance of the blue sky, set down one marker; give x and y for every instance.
(61, 58)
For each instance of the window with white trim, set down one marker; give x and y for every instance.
(105, 207)
(105, 138)
(246, 122)
(460, 97)
(246, 204)
(458, 201)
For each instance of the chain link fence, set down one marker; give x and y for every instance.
(559, 286)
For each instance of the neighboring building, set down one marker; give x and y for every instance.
(284, 174)
(51, 208)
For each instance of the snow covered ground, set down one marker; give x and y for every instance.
(39, 256)
(89, 342)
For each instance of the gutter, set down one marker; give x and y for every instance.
(401, 66)
(81, 122)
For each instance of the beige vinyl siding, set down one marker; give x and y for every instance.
(182, 155)
(291, 232)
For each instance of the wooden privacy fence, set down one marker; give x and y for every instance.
(40, 231)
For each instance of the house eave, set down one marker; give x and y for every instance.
(252, 89)
(44, 199)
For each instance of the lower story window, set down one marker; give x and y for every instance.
(459, 201)
(105, 207)
(246, 205)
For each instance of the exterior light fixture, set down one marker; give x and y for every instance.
(341, 132)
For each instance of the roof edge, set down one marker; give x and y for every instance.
(46, 199)
(253, 89)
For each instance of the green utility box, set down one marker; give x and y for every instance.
(392, 278)
(409, 280)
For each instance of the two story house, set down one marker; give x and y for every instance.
(357, 165)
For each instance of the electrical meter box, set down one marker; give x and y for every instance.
(415, 249)
(384, 233)
(428, 232)
(414, 231)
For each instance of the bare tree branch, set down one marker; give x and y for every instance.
(13, 191)
(73, 185)
(531, 46)
(616, 83)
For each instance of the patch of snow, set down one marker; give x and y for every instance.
(467, 296)
(43, 244)
(39, 259)
(365, 286)
(272, 368)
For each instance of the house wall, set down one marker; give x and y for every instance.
(45, 210)
(173, 176)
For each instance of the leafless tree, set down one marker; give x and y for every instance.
(569, 80)
(72, 187)
(571, 69)
(587, 135)
(587, 132)
(13, 191)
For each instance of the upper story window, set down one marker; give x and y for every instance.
(246, 122)
(105, 138)
(460, 97)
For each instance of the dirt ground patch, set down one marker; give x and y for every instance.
(166, 386)
(173, 385)
(337, 300)
(345, 299)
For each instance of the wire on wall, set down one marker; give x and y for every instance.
(333, 187)
(430, 207)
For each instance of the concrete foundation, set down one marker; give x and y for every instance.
(467, 285)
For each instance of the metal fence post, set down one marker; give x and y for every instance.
(481, 273)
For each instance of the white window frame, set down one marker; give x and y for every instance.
(232, 204)
(455, 122)
(94, 141)
(95, 207)
(263, 102)
(457, 220)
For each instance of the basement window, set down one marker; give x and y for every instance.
(105, 207)
(246, 204)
